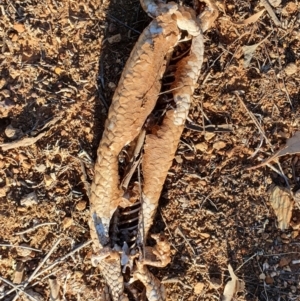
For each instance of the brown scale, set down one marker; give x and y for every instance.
(124, 224)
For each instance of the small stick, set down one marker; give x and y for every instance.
(57, 261)
(176, 280)
(15, 287)
(254, 120)
(270, 11)
(34, 227)
(32, 276)
(178, 230)
(245, 262)
(22, 247)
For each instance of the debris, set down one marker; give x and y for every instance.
(29, 200)
(48, 180)
(28, 140)
(233, 286)
(290, 9)
(58, 70)
(19, 272)
(54, 288)
(19, 27)
(249, 51)
(5, 106)
(284, 261)
(219, 145)
(290, 69)
(114, 39)
(251, 19)
(67, 222)
(269, 9)
(291, 147)
(202, 146)
(282, 204)
(198, 288)
(80, 206)
(269, 280)
(275, 3)
(24, 250)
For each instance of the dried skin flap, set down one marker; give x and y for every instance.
(282, 204)
(133, 101)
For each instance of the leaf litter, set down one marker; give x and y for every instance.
(49, 66)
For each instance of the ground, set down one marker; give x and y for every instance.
(60, 62)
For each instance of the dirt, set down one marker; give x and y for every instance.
(62, 60)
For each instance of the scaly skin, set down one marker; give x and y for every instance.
(133, 101)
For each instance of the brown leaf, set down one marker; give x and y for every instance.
(292, 147)
(282, 204)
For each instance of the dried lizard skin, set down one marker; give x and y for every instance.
(132, 103)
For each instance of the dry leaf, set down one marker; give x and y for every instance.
(282, 204)
(233, 286)
(250, 50)
(292, 146)
(248, 53)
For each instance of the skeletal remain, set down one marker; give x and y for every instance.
(121, 215)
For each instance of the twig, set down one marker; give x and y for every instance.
(270, 11)
(32, 276)
(178, 230)
(59, 260)
(245, 262)
(29, 140)
(176, 280)
(163, 218)
(142, 211)
(34, 228)
(15, 287)
(254, 120)
(22, 247)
